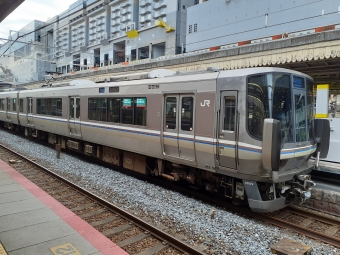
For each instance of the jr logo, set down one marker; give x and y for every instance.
(205, 103)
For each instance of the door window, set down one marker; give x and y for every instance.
(29, 105)
(21, 105)
(187, 114)
(229, 114)
(72, 108)
(170, 109)
(77, 108)
(8, 104)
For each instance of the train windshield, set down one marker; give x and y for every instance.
(273, 95)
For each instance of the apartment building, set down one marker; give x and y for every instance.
(97, 33)
(107, 32)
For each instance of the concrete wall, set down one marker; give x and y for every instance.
(226, 22)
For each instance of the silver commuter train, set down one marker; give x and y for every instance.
(246, 134)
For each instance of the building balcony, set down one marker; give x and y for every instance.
(144, 3)
(145, 10)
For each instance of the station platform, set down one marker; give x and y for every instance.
(325, 196)
(34, 223)
(329, 166)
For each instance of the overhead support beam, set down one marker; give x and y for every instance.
(7, 7)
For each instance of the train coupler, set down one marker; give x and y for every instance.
(302, 188)
(302, 195)
(307, 180)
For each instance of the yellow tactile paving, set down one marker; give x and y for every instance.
(2, 250)
(64, 249)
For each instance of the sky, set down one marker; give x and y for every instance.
(31, 10)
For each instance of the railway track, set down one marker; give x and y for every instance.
(311, 224)
(129, 232)
(134, 235)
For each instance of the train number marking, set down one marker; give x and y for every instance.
(205, 103)
(249, 183)
(65, 249)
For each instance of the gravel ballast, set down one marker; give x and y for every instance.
(227, 233)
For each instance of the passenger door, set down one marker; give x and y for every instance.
(30, 112)
(8, 110)
(74, 116)
(178, 127)
(227, 130)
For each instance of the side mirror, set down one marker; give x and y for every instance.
(321, 134)
(271, 146)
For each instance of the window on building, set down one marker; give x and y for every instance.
(190, 29)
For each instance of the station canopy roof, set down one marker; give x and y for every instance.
(8, 6)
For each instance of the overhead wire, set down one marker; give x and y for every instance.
(44, 26)
(204, 40)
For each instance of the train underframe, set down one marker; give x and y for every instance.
(260, 196)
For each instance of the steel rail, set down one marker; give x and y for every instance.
(319, 217)
(301, 230)
(162, 235)
(235, 209)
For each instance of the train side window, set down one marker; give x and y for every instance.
(41, 106)
(2, 104)
(126, 111)
(97, 109)
(229, 113)
(21, 105)
(140, 111)
(170, 111)
(48, 106)
(92, 102)
(113, 110)
(101, 109)
(14, 105)
(187, 114)
(55, 106)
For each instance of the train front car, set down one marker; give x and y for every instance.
(272, 136)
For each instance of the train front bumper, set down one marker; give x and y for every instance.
(297, 190)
